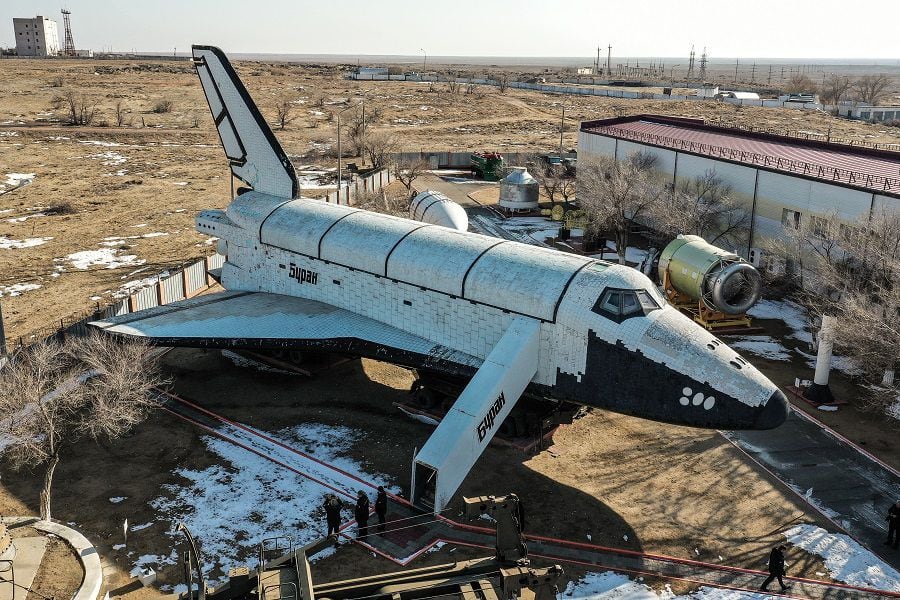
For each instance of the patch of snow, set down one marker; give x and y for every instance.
(245, 498)
(24, 218)
(179, 183)
(96, 143)
(16, 179)
(615, 586)
(117, 499)
(762, 345)
(9, 134)
(108, 258)
(109, 158)
(844, 558)
(118, 546)
(10, 244)
(138, 225)
(827, 408)
(17, 289)
(792, 314)
(140, 527)
(894, 410)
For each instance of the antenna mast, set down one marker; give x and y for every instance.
(703, 61)
(69, 45)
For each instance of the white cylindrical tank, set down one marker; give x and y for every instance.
(436, 208)
(519, 191)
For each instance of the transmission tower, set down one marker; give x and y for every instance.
(703, 61)
(690, 73)
(69, 45)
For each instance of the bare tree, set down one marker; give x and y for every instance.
(614, 194)
(120, 114)
(502, 82)
(381, 202)
(835, 88)
(800, 83)
(871, 88)
(81, 110)
(407, 171)
(53, 394)
(549, 177)
(378, 147)
(851, 270)
(703, 206)
(283, 112)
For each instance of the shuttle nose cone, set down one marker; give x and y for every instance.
(774, 413)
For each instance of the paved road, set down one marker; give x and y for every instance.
(849, 487)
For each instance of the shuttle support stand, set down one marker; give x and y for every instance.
(448, 455)
(819, 392)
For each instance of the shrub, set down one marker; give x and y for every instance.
(163, 106)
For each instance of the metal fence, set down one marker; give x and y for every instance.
(186, 282)
(370, 183)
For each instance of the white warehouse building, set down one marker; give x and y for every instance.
(780, 180)
(36, 37)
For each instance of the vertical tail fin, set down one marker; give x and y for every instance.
(255, 156)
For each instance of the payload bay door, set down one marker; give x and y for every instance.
(448, 455)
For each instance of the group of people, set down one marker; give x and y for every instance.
(361, 511)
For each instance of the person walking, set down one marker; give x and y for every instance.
(381, 507)
(893, 519)
(333, 507)
(776, 569)
(362, 515)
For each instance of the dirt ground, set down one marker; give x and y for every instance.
(153, 173)
(624, 482)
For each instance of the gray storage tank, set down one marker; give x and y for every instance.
(519, 191)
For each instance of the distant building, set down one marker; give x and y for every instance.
(36, 37)
(708, 90)
(585, 71)
(867, 112)
(738, 95)
(372, 71)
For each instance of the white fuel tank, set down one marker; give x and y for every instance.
(436, 208)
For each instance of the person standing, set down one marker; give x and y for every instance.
(381, 507)
(333, 507)
(776, 569)
(362, 515)
(893, 519)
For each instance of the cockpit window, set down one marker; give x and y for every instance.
(646, 300)
(619, 305)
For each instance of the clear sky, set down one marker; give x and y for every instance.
(646, 28)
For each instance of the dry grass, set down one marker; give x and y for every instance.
(105, 199)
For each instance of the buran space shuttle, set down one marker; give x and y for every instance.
(311, 276)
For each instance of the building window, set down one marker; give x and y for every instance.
(819, 227)
(790, 218)
(865, 115)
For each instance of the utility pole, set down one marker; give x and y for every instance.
(597, 63)
(770, 74)
(424, 59)
(690, 73)
(608, 58)
(703, 66)
(753, 74)
(562, 128)
(2, 336)
(737, 61)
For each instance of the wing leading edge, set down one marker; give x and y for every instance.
(258, 320)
